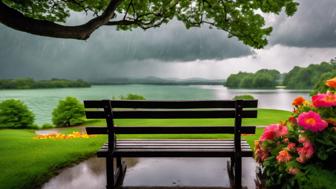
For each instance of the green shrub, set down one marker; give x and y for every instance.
(131, 96)
(47, 126)
(244, 97)
(69, 112)
(15, 114)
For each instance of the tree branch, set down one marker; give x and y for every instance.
(16, 20)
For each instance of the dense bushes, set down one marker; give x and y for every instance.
(15, 114)
(262, 79)
(28, 83)
(244, 97)
(130, 96)
(306, 78)
(69, 112)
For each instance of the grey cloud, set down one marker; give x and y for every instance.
(314, 25)
(25, 55)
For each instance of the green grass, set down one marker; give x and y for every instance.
(27, 163)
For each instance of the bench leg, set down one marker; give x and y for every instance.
(121, 171)
(109, 172)
(237, 172)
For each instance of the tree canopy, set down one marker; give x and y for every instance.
(239, 18)
(262, 79)
(311, 76)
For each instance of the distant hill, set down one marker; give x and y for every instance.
(157, 81)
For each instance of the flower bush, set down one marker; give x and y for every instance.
(301, 151)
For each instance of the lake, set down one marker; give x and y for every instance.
(42, 101)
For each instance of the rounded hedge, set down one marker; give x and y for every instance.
(15, 114)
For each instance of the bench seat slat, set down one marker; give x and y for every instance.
(171, 130)
(175, 148)
(176, 114)
(170, 104)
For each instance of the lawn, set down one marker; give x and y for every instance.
(27, 163)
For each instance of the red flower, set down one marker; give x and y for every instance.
(311, 121)
(283, 156)
(331, 83)
(273, 131)
(324, 100)
(298, 101)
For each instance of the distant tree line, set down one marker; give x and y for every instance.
(298, 78)
(262, 79)
(309, 77)
(29, 83)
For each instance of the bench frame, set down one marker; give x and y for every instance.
(115, 172)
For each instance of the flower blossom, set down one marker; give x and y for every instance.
(283, 156)
(293, 170)
(331, 83)
(260, 153)
(306, 151)
(291, 146)
(311, 121)
(298, 101)
(324, 100)
(274, 131)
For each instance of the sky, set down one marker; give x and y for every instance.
(172, 51)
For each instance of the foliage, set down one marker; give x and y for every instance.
(311, 76)
(241, 19)
(260, 80)
(131, 96)
(69, 112)
(15, 114)
(47, 126)
(297, 153)
(244, 97)
(28, 83)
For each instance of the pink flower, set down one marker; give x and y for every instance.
(283, 156)
(311, 121)
(291, 146)
(273, 131)
(293, 171)
(305, 152)
(324, 100)
(260, 153)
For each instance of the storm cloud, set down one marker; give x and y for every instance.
(313, 25)
(171, 50)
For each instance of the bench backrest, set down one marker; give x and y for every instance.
(145, 109)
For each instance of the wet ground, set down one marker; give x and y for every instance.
(155, 173)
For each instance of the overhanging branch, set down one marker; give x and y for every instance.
(16, 20)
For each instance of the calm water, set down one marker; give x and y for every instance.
(42, 101)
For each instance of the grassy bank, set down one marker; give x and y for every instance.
(27, 163)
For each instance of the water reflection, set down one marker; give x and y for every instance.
(155, 173)
(267, 98)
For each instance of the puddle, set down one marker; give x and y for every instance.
(152, 172)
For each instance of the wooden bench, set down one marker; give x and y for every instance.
(116, 149)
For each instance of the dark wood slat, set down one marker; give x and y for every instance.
(141, 114)
(175, 153)
(177, 144)
(96, 130)
(178, 147)
(178, 141)
(170, 104)
(171, 130)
